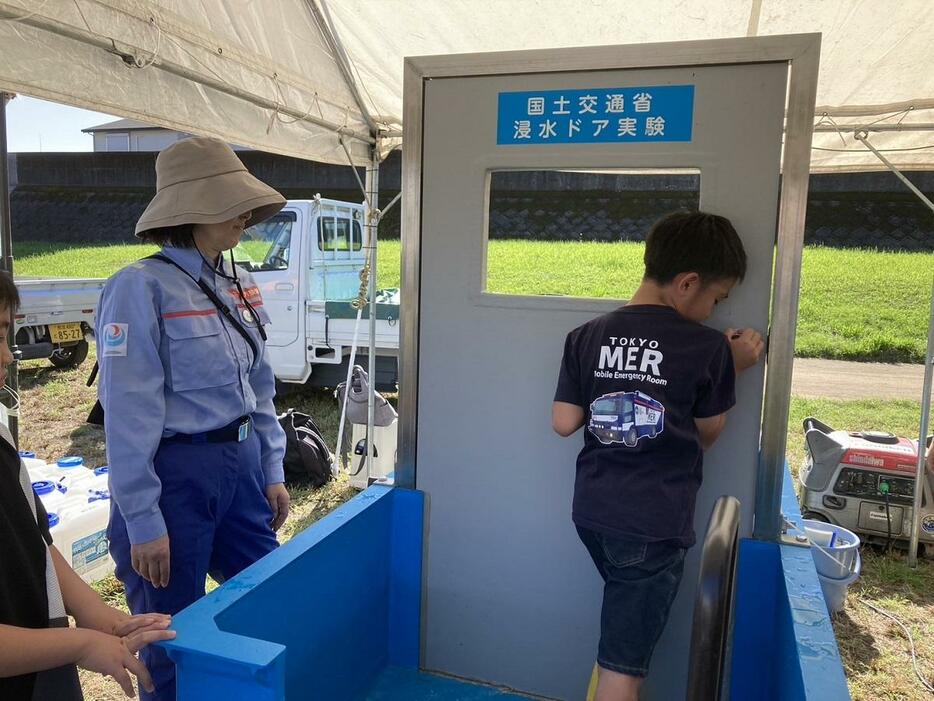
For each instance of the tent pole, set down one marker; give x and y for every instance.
(372, 222)
(323, 19)
(6, 248)
(863, 136)
(922, 436)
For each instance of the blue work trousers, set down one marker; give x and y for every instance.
(217, 516)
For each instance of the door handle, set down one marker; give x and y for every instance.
(284, 287)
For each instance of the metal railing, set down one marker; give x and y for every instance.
(713, 604)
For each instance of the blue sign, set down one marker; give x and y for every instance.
(596, 116)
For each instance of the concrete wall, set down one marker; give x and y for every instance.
(71, 197)
(98, 197)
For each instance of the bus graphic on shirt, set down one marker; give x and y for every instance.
(625, 417)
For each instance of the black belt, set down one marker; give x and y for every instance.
(234, 432)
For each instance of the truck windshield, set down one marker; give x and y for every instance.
(266, 246)
(605, 406)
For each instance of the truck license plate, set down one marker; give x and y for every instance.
(66, 333)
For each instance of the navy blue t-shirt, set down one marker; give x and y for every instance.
(642, 374)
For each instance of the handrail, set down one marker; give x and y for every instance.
(713, 604)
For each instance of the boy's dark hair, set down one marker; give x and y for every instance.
(694, 242)
(9, 295)
(181, 236)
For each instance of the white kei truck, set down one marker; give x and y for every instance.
(55, 319)
(306, 261)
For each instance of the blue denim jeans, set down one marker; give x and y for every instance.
(640, 583)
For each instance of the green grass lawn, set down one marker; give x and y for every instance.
(33, 259)
(855, 304)
(864, 304)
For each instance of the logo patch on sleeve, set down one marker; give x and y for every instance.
(115, 339)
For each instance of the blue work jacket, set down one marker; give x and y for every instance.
(170, 363)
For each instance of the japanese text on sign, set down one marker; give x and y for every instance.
(599, 115)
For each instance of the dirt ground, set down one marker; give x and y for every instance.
(840, 379)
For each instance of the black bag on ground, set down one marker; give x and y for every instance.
(307, 457)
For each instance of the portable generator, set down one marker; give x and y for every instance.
(865, 482)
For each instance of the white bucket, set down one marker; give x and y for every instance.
(385, 440)
(81, 536)
(837, 560)
(834, 590)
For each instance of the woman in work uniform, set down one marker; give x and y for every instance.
(194, 446)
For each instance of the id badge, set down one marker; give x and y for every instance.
(244, 432)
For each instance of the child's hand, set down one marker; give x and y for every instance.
(128, 625)
(107, 619)
(747, 345)
(116, 657)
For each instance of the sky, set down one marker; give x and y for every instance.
(37, 125)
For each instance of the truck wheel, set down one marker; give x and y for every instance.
(631, 437)
(70, 356)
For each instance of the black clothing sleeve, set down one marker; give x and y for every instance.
(23, 593)
(42, 520)
(569, 384)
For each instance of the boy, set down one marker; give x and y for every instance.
(38, 651)
(652, 385)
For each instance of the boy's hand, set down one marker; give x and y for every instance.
(747, 345)
(115, 657)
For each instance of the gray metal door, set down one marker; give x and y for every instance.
(511, 596)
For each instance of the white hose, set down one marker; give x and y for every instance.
(353, 354)
(911, 642)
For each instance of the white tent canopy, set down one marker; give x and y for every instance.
(295, 76)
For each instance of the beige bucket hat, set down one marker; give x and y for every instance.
(200, 180)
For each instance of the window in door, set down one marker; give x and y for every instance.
(577, 233)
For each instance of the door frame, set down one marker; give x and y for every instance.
(802, 54)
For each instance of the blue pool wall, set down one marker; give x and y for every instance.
(784, 647)
(318, 618)
(328, 613)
